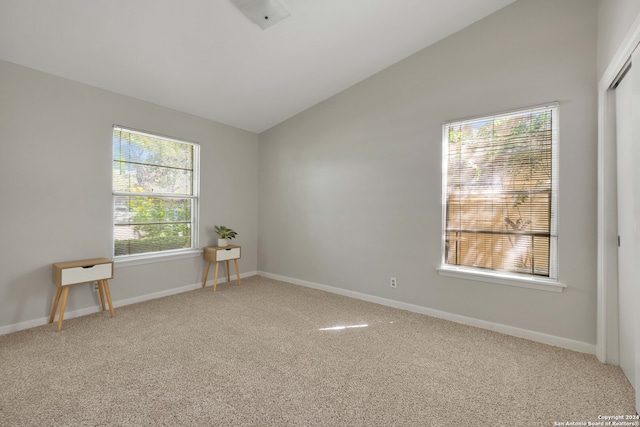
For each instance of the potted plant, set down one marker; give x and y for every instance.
(224, 234)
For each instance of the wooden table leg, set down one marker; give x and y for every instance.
(65, 293)
(100, 290)
(215, 277)
(228, 273)
(108, 293)
(237, 271)
(206, 273)
(55, 304)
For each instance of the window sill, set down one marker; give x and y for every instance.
(538, 283)
(150, 259)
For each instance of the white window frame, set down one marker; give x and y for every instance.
(168, 255)
(498, 277)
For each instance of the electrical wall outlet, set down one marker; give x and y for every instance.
(95, 286)
(393, 282)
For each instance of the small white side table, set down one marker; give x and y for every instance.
(217, 254)
(70, 273)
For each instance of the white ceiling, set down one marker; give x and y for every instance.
(205, 58)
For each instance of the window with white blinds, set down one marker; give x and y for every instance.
(155, 194)
(500, 186)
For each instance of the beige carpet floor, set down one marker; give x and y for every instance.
(267, 353)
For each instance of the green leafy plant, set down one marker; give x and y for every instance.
(224, 232)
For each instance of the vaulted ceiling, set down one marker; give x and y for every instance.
(204, 57)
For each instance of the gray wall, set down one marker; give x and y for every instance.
(55, 185)
(615, 18)
(350, 190)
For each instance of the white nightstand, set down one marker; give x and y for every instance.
(217, 254)
(70, 273)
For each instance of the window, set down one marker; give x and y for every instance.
(500, 185)
(155, 194)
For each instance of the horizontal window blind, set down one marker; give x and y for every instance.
(500, 192)
(154, 193)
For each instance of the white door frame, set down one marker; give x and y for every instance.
(607, 292)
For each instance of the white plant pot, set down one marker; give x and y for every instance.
(223, 242)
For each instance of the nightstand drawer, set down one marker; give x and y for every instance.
(218, 253)
(226, 254)
(85, 274)
(82, 274)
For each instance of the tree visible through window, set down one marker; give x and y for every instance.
(500, 192)
(154, 193)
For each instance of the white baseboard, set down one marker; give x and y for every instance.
(497, 327)
(505, 329)
(118, 303)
